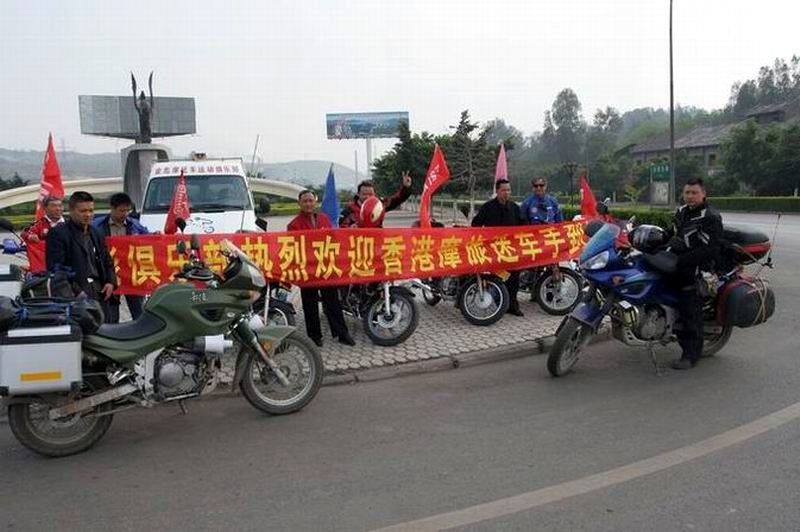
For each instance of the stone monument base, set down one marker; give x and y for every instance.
(137, 159)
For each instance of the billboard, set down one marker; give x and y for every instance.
(364, 125)
(115, 116)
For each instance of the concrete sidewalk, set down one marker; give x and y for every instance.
(443, 340)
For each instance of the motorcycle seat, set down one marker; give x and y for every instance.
(146, 325)
(663, 261)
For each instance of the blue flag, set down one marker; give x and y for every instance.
(330, 205)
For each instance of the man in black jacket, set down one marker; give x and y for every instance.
(501, 211)
(81, 248)
(695, 237)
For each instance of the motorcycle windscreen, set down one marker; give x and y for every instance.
(602, 240)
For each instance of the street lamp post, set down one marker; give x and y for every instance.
(570, 168)
(672, 191)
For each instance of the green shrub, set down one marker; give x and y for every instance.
(759, 204)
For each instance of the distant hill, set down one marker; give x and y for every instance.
(28, 164)
(310, 173)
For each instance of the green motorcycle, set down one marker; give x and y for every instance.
(171, 353)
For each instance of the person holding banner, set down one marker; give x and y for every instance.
(307, 220)
(34, 235)
(118, 223)
(541, 207)
(79, 247)
(53, 215)
(501, 211)
(350, 215)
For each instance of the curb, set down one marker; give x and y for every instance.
(538, 346)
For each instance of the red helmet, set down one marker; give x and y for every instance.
(372, 212)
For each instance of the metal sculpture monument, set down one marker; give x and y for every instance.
(141, 121)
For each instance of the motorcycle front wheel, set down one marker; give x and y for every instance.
(392, 327)
(483, 308)
(571, 339)
(558, 297)
(35, 430)
(300, 361)
(280, 313)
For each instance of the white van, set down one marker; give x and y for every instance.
(220, 200)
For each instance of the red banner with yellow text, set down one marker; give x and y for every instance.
(330, 257)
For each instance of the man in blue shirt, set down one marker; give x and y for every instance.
(118, 222)
(540, 207)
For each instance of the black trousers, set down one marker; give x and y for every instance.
(690, 310)
(512, 285)
(331, 306)
(95, 292)
(135, 305)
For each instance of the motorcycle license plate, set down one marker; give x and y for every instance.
(503, 275)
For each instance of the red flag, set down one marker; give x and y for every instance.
(50, 184)
(501, 169)
(588, 203)
(437, 175)
(179, 208)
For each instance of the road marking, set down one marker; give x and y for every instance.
(558, 492)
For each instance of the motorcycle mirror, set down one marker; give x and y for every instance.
(180, 223)
(195, 242)
(261, 223)
(6, 225)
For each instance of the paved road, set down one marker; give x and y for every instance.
(611, 447)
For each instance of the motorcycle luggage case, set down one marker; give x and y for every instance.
(40, 360)
(745, 302)
(744, 246)
(10, 280)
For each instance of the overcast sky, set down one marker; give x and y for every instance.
(275, 68)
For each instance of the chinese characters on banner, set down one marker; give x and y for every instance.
(344, 256)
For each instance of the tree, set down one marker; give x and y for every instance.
(470, 160)
(411, 153)
(569, 126)
(603, 134)
(13, 182)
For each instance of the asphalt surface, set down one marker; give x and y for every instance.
(492, 447)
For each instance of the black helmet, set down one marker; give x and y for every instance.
(648, 238)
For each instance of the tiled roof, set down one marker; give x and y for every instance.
(696, 138)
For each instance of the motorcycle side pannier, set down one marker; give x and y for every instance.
(40, 360)
(745, 302)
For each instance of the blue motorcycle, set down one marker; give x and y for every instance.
(628, 285)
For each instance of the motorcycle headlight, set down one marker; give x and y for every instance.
(256, 275)
(597, 262)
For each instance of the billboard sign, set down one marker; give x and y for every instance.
(364, 125)
(115, 116)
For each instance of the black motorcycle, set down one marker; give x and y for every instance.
(388, 311)
(482, 298)
(556, 289)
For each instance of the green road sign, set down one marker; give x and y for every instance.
(659, 171)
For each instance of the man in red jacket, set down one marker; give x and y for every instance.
(309, 219)
(352, 213)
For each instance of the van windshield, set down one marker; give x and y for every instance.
(207, 193)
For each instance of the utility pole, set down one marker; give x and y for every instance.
(672, 191)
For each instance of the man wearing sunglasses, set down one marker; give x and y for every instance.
(540, 207)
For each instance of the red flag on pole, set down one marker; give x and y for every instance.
(179, 208)
(50, 184)
(588, 203)
(437, 175)
(501, 169)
